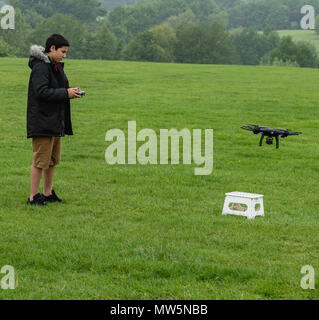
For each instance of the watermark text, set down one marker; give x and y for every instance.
(308, 20)
(147, 153)
(308, 281)
(8, 281)
(7, 20)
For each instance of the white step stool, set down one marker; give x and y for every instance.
(248, 199)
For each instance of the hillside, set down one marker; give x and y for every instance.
(156, 231)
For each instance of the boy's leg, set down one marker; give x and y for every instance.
(48, 176)
(42, 150)
(36, 175)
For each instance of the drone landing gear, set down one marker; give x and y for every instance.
(269, 140)
(261, 140)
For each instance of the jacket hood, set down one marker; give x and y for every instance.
(36, 55)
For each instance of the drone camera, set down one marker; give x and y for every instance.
(269, 140)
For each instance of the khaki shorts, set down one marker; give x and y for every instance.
(46, 152)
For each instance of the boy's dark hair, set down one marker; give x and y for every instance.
(56, 40)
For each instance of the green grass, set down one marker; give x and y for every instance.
(302, 35)
(157, 232)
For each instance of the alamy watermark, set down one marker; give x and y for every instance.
(308, 280)
(7, 20)
(308, 20)
(147, 153)
(8, 281)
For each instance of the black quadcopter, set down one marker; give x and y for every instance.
(269, 133)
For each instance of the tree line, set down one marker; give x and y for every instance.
(184, 31)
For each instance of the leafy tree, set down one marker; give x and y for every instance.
(184, 18)
(251, 46)
(66, 25)
(33, 18)
(260, 14)
(165, 37)
(167, 8)
(120, 46)
(127, 22)
(221, 17)
(203, 9)
(84, 10)
(141, 18)
(144, 48)
(204, 44)
(100, 45)
(286, 50)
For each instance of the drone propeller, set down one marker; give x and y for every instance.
(250, 127)
(293, 133)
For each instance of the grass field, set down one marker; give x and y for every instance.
(157, 232)
(302, 35)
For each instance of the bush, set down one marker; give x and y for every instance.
(288, 51)
(307, 55)
(268, 61)
(4, 49)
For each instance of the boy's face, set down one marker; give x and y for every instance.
(59, 54)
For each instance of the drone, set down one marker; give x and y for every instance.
(269, 133)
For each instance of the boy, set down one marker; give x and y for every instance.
(48, 114)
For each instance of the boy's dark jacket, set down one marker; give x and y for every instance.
(48, 113)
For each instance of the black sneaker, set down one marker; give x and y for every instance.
(52, 197)
(38, 200)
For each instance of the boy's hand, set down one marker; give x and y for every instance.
(74, 93)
